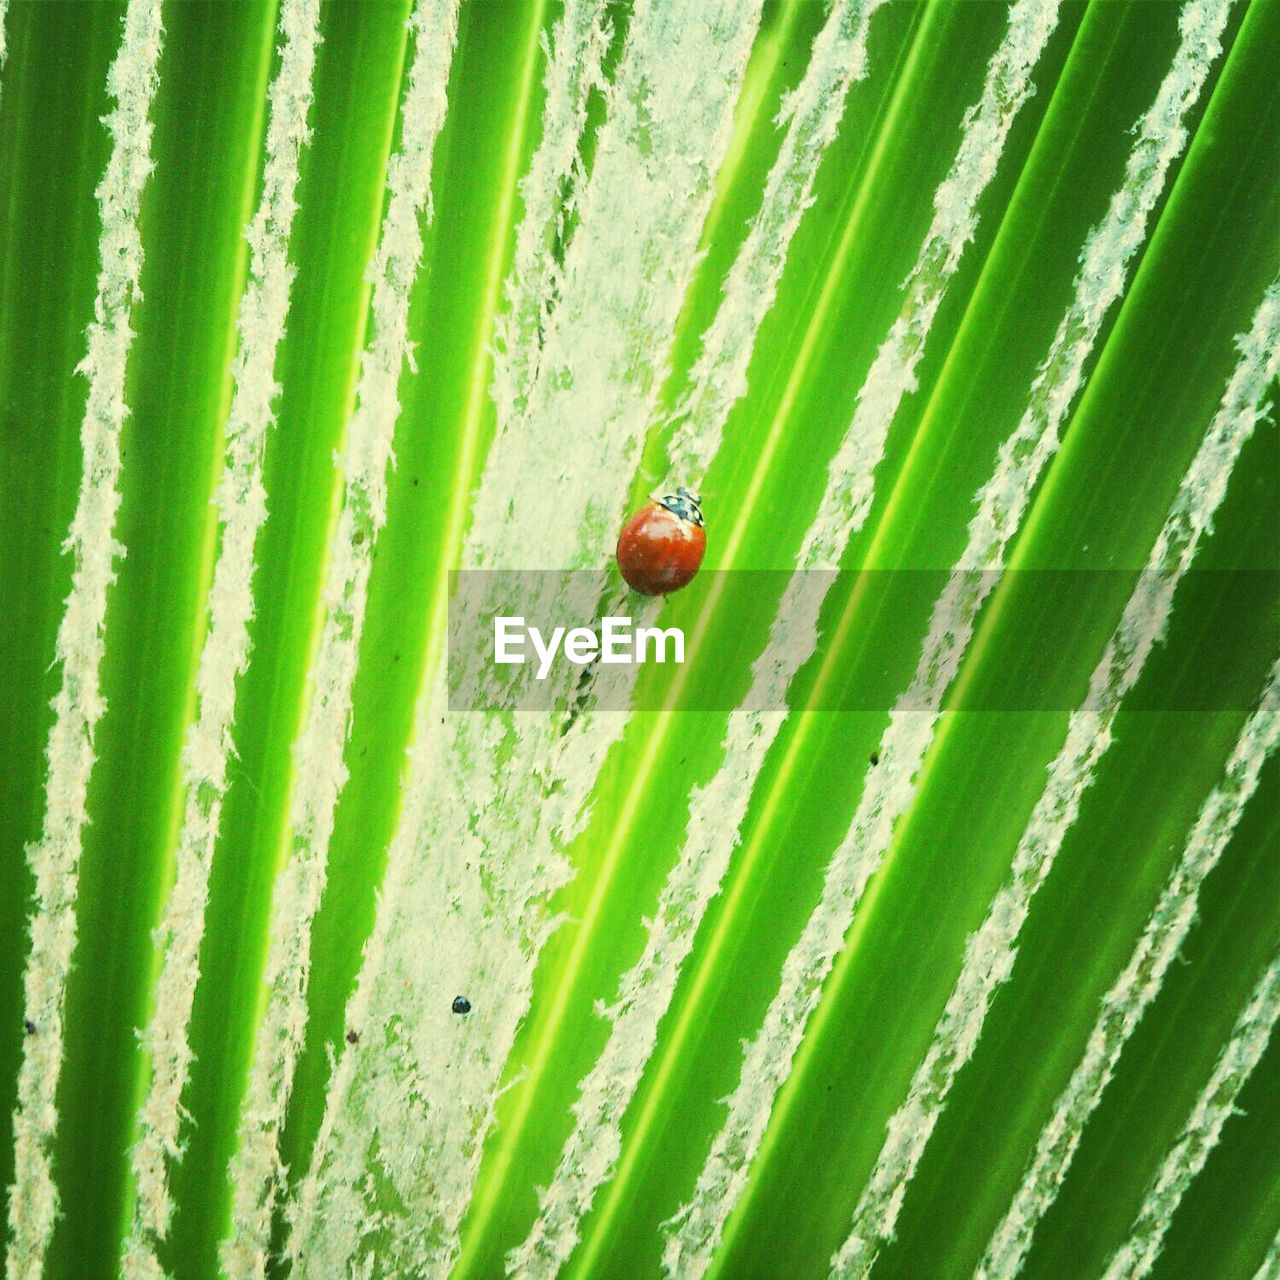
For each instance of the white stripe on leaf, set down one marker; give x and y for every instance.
(319, 772)
(242, 510)
(78, 706)
(1270, 1267)
(812, 114)
(574, 58)
(1199, 1135)
(4, 47)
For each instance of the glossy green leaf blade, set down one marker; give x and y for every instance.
(50, 230)
(260, 324)
(74, 745)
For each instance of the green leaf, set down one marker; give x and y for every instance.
(923, 921)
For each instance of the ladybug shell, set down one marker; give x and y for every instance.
(658, 552)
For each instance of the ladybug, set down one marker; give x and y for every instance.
(662, 545)
(461, 1005)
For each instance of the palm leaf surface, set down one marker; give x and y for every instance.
(755, 992)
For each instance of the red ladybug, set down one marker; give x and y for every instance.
(662, 545)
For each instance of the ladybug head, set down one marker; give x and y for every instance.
(685, 504)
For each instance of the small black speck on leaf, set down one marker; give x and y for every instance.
(461, 1004)
(875, 757)
(352, 1036)
(28, 1026)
